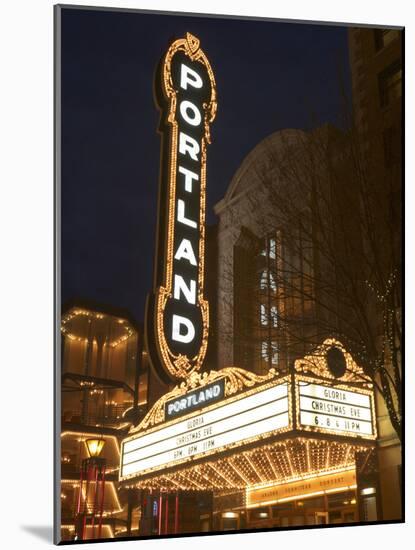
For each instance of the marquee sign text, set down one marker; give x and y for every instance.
(196, 399)
(317, 485)
(337, 410)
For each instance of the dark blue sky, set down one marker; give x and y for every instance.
(269, 76)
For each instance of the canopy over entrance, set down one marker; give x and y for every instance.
(282, 461)
(233, 429)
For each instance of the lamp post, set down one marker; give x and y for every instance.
(91, 490)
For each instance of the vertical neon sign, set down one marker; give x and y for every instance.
(177, 312)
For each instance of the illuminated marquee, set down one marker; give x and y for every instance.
(335, 409)
(232, 424)
(213, 414)
(177, 313)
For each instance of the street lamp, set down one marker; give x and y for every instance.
(91, 489)
(95, 446)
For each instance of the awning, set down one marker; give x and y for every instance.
(282, 461)
(263, 429)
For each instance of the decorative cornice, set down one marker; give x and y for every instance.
(316, 364)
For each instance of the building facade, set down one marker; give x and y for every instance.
(103, 383)
(291, 438)
(377, 81)
(251, 300)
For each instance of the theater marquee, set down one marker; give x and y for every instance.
(219, 414)
(177, 317)
(227, 425)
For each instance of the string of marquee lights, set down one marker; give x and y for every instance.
(72, 314)
(285, 461)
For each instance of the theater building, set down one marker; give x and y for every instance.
(277, 435)
(280, 428)
(376, 70)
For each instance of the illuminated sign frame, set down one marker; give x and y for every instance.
(348, 389)
(213, 408)
(176, 354)
(187, 426)
(353, 390)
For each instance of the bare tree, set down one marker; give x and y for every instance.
(317, 255)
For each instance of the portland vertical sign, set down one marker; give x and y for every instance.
(177, 322)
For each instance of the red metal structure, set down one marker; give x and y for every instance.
(90, 498)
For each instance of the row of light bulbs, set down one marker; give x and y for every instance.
(281, 462)
(82, 312)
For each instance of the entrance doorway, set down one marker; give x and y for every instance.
(327, 509)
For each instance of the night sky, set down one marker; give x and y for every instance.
(269, 76)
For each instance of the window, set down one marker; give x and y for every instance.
(267, 280)
(274, 316)
(390, 84)
(264, 351)
(271, 249)
(264, 316)
(267, 347)
(274, 353)
(263, 282)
